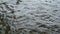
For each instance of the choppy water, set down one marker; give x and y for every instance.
(33, 16)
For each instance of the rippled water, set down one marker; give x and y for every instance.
(32, 16)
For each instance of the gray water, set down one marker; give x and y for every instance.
(32, 16)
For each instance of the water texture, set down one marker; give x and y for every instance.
(31, 16)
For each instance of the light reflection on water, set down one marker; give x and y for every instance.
(33, 16)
